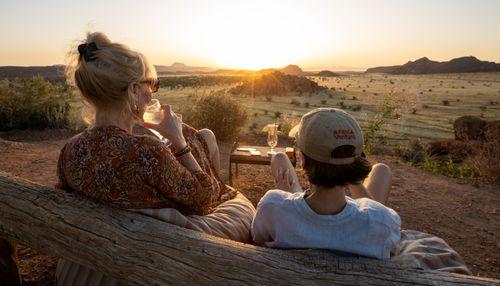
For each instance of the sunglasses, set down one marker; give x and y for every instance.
(153, 83)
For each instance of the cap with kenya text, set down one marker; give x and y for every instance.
(323, 130)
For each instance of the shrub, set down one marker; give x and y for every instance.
(220, 113)
(486, 161)
(356, 107)
(374, 133)
(277, 114)
(323, 102)
(33, 103)
(306, 104)
(414, 153)
(295, 102)
(446, 102)
(287, 123)
(446, 167)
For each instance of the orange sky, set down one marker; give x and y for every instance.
(314, 34)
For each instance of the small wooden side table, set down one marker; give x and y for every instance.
(244, 157)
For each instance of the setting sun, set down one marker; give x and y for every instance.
(256, 35)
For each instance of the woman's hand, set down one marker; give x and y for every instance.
(170, 127)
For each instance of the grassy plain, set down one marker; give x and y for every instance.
(426, 105)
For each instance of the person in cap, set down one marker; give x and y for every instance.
(330, 144)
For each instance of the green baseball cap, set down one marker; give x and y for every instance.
(322, 130)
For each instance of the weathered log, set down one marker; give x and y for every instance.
(145, 251)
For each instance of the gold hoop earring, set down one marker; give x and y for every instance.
(136, 109)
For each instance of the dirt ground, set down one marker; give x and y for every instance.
(465, 216)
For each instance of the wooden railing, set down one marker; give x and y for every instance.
(145, 251)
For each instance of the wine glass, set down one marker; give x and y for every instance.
(152, 112)
(152, 115)
(272, 137)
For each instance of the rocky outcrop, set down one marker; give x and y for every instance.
(276, 83)
(471, 133)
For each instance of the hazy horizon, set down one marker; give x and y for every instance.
(314, 35)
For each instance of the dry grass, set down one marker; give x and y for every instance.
(421, 113)
(486, 162)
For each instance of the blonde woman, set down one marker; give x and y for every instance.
(179, 184)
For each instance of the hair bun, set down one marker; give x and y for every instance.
(87, 51)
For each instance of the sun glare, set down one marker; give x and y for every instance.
(256, 35)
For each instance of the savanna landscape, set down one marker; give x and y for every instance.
(435, 195)
(435, 123)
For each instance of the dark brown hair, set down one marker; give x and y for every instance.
(329, 176)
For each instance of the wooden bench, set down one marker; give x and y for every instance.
(142, 250)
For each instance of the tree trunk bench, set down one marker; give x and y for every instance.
(145, 251)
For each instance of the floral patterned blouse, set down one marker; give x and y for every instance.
(134, 172)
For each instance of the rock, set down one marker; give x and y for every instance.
(469, 128)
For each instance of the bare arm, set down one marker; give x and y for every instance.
(171, 128)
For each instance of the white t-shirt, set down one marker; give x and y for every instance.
(364, 227)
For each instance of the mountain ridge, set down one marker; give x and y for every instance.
(426, 66)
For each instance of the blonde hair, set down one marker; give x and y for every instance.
(104, 81)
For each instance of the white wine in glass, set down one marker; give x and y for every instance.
(152, 112)
(152, 115)
(272, 137)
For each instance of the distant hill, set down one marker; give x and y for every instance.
(292, 70)
(327, 73)
(56, 71)
(276, 83)
(181, 67)
(426, 66)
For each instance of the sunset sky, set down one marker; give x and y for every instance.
(315, 34)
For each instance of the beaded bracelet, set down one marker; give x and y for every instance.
(183, 152)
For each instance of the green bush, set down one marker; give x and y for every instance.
(286, 124)
(33, 104)
(220, 113)
(446, 167)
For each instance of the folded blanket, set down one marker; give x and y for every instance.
(231, 219)
(425, 251)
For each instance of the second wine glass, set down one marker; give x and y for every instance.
(272, 137)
